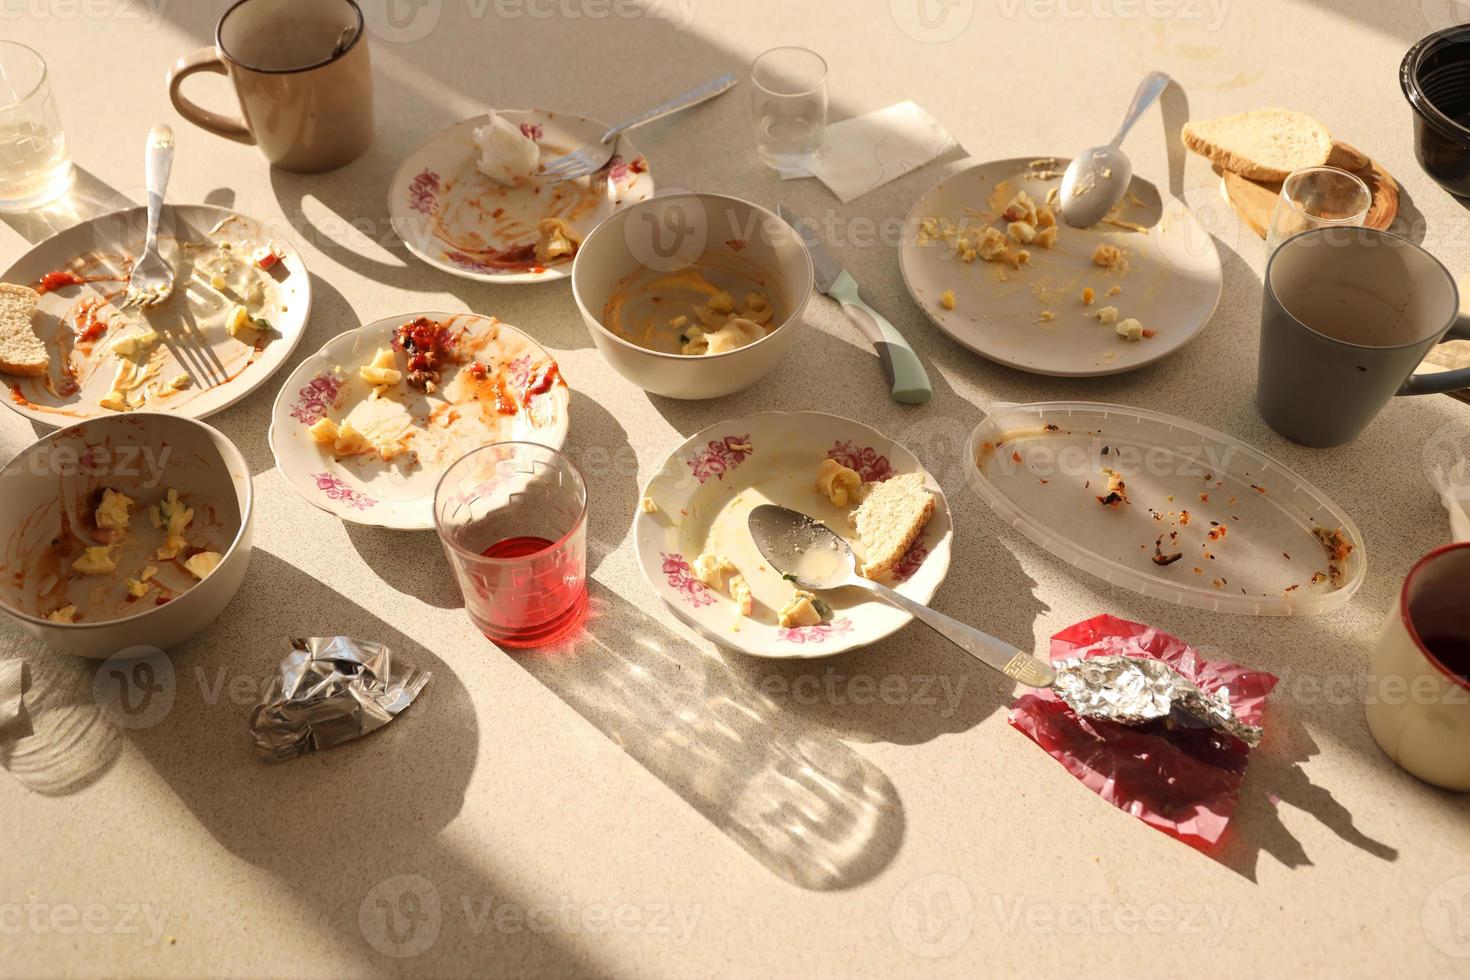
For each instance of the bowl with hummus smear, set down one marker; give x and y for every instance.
(693, 296)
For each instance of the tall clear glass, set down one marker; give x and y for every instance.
(513, 521)
(1317, 197)
(788, 105)
(34, 166)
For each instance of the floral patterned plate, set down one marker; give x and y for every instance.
(518, 395)
(702, 494)
(454, 217)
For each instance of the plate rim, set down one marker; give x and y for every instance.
(1276, 606)
(401, 179)
(277, 407)
(806, 651)
(912, 219)
(245, 391)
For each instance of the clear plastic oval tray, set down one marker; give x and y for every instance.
(1200, 519)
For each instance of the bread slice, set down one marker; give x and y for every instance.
(891, 518)
(1265, 144)
(21, 351)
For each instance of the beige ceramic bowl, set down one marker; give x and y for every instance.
(669, 234)
(56, 481)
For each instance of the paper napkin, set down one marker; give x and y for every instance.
(868, 151)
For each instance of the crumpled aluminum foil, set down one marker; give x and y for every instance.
(330, 690)
(1136, 691)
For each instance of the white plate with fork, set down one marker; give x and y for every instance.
(455, 218)
(193, 365)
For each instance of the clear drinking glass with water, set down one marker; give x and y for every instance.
(34, 166)
(788, 103)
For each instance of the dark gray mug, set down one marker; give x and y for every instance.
(1349, 314)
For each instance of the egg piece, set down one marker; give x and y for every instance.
(382, 370)
(112, 510)
(838, 483)
(712, 569)
(201, 564)
(66, 614)
(740, 592)
(137, 342)
(95, 561)
(800, 611)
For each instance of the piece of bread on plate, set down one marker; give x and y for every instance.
(890, 520)
(1264, 144)
(21, 351)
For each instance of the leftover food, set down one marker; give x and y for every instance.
(891, 518)
(507, 155)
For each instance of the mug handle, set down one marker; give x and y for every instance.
(1444, 381)
(205, 59)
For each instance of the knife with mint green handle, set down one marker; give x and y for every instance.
(900, 364)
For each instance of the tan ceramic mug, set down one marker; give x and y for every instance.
(300, 69)
(1418, 698)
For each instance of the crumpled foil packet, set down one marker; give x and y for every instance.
(330, 690)
(1180, 779)
(1135, 691)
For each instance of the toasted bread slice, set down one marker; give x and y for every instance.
(1266, 144)
(21, 351)
(890, 520)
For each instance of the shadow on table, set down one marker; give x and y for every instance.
(797, 799)
(65, 743)
(88, 198)
(1276, 777)
(354, 832)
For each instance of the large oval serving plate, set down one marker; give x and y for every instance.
(703, 492)
(1033, 318)
(454, 217)
(1204, 520)
(464, 413)
(191, 324)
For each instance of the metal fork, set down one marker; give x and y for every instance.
(152, 280)
(592, 157)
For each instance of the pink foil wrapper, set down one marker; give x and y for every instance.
(1185, 782)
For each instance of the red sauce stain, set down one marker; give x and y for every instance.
(53, 281)
(735, 244)
(17, 397)
(542, 383)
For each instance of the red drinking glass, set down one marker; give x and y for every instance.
(513, 521)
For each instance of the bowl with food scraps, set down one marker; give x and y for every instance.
(122, 532)
(693, 296)
(698, 555)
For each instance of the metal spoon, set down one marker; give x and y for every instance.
(1096, 180)
(1128, 690)
(819, 560)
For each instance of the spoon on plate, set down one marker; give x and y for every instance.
(1128, 690)
(1097, 179)
(819, 560)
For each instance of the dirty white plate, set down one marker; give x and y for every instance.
(454, 217)
(1172, 283)
(191, 323)
(463, 414)
(705, 489)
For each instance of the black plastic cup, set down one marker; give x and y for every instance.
(1435, 76)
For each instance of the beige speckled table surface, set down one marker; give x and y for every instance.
(613, 812)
